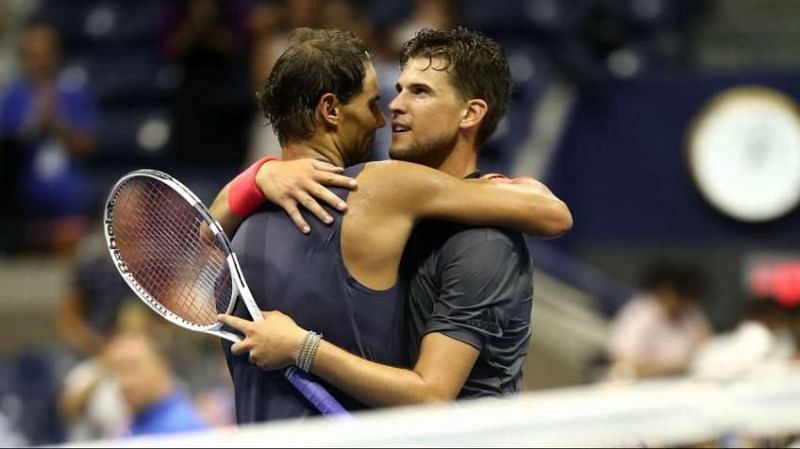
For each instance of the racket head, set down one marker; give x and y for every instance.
(153, 225)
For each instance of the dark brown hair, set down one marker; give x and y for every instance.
(317, 61)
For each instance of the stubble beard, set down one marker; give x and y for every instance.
(431, 153)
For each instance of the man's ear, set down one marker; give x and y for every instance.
(473, 114)
(328, 109)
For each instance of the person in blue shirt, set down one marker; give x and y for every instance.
(47, 125)
(144, 377)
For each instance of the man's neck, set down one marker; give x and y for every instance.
(462, 161)
(311, 150)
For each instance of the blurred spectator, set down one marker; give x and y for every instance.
(13, 14)
(206, 40)
(657, 332)
(262, 140)
(216, 402)
(763, 343)
(87, 314)
(436, 14)
(91, 403)
(12, 17)
(47, 125)
(149, 387)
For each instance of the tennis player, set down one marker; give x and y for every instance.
(469, 288)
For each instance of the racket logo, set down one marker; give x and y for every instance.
(112, 241)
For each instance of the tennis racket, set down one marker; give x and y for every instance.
(177, 259)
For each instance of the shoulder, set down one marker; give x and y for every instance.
(410, 173)
(482, 255)
(474, 241)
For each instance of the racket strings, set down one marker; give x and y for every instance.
(158, 235)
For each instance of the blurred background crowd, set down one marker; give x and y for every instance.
(652, 280)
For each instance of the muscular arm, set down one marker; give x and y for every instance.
(529, 207)
(221, 212)
(440, 372)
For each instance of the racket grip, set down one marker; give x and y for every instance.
(315, 393)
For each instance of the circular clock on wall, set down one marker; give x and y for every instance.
(744, 153)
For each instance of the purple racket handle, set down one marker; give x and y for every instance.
(315, 393)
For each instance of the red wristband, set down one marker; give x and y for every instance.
(244, 196)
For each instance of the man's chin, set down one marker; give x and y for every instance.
(397, 154)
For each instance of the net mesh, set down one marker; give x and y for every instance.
(158, 236)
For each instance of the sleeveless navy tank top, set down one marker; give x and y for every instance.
(304, 276)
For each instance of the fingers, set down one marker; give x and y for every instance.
(312, 205)
(240, 347)
(240, 325)
(290, 206)
(335, 180)
(321, 193)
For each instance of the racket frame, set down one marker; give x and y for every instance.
(238, 286)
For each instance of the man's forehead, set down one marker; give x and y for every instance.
(371, 82)
(423, 68)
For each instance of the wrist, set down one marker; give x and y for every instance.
(307, 350)
(244, 196)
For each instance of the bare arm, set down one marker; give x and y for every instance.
(438, 375)
(527, 206)
(288, 184)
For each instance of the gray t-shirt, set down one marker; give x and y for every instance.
(474, 285)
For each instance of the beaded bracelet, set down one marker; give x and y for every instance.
(308, 350)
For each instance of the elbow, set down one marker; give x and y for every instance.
(559, 221)
(563, 221)
(436, 395)
(431, 398)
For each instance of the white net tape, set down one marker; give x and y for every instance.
(659, 413)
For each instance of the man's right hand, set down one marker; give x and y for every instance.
(271, 343)
(303, 181)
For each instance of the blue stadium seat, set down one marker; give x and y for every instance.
(88, 22)
(129, 135)
(133, 77)
(524, 17)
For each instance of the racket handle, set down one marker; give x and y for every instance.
(315, 393)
